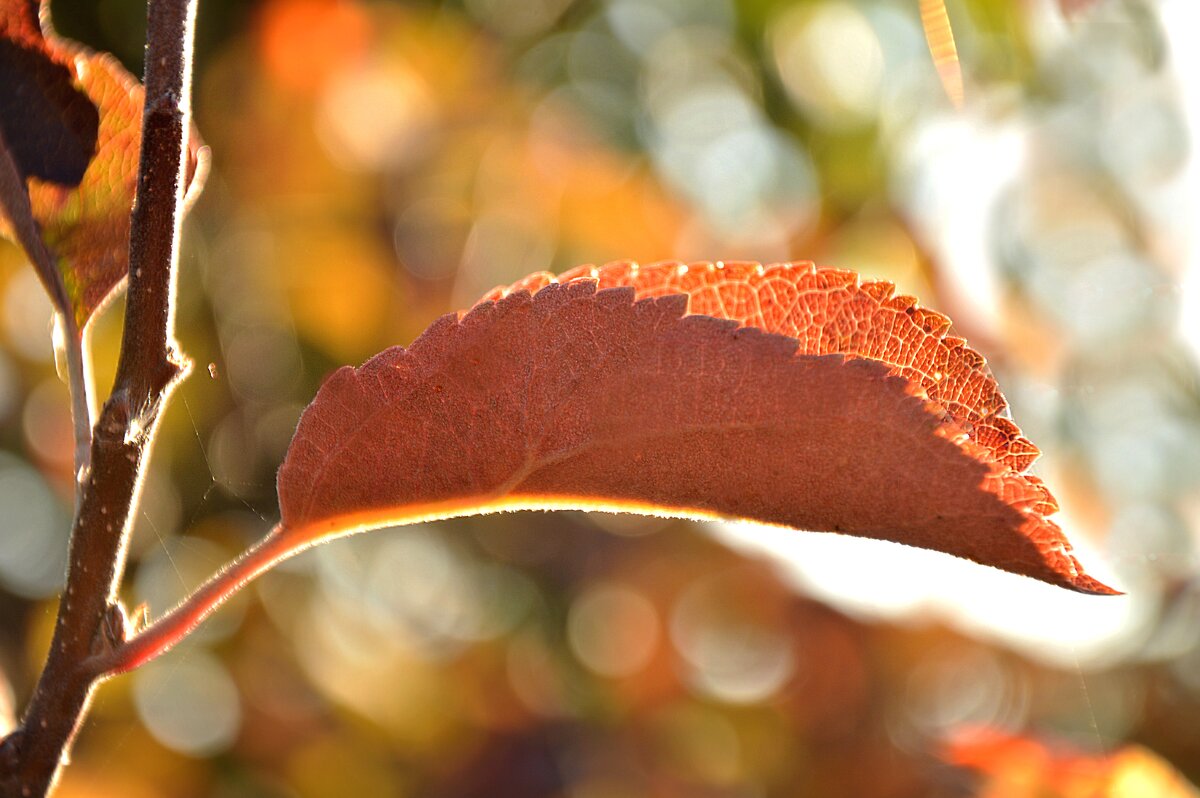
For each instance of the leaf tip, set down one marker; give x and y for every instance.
(1082, 583)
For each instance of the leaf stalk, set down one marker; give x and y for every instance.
(163, 634)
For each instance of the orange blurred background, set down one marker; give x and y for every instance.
(378, 164)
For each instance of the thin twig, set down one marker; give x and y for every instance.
(14, 200)
(148, 370)
(82, 415)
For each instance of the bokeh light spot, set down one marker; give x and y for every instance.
(613, 629)
(188, 702)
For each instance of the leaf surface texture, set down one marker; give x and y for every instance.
(703, 391)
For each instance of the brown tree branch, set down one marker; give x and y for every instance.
(90, 619)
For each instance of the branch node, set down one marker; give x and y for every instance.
(166, 105)
(117, 413)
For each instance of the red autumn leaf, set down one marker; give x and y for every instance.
(1016, 766)
(858, 415)
(81, 181)
(829, 311)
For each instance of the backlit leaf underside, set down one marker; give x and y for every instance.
(592, 394)
(86, 221)
(830, 311)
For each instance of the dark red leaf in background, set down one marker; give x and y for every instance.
(49, 125)
(73, 119)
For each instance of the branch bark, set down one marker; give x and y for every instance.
(90, 619)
